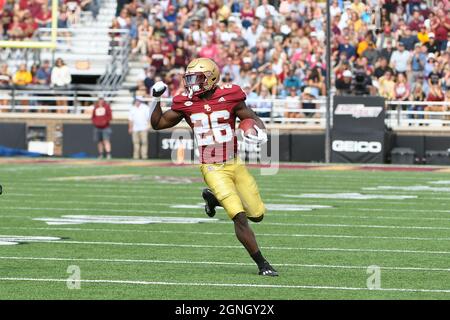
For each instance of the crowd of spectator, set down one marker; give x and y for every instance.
(56, 76)
(396, 48)
(38, 74)
(19, 19)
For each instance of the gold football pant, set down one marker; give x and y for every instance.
(234, 187)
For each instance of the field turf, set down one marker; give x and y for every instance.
(320, 254)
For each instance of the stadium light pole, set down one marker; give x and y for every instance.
(328, 87)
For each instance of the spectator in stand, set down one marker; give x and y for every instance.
(386, 85)
(435, 76)
(29, 26)
(435, 93)
(252, 97)
(264, 104)
(22, 77)
(15, 31)
(399, 59)
(292, 106)
(401, 88)
(417, 95)
(227, 79)
(5, 81)
(316, 81)
(265, 10)
(371, 54)
(387, 51)
(73, 11)
(415, 21)
(138, 125)
(269, 81)
(63, 23)
(432, 45)
(348, 48)
(307, 103)
(60, 78)
(91, 5)
(292, 81)
(416, 63)
(44, 17)
(422, 35)
(101, 119)
(210, 50)
(144, 32)
(43, 73)
(344, 84)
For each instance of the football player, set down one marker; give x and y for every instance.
(211, 111)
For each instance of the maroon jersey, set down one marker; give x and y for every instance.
(102, 115)
(213, 121)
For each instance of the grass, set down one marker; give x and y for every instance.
(320, 254)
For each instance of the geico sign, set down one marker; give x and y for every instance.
(356, 146)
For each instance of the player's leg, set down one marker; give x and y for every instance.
(254, 211)
(221, 191)
(220, 179)
(211, 202)
(247, 237)
(249, 193)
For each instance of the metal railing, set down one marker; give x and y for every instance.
(117, 70)
(415, 113)
(78, 99)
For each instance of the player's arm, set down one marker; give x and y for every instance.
(158, 119)
(245, 112)
(242, 111)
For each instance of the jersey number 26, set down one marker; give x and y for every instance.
(208, 130)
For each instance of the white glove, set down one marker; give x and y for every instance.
(158, 89)
(260, 138)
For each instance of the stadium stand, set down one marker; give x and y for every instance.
(273, 46)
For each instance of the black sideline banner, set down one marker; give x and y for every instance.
(358, 134)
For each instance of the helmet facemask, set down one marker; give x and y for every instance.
(195, 83)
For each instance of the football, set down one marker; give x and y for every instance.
(248, 126)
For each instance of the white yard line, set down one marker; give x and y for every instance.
(183, 210)
(155, 185)
(96, 210)
(408, 202)
(236, 285)
(198, 246)
(325, 266)
(272, 215)
(288, 224)
(215, 234)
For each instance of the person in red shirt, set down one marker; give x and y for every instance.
(435, 94)
(101, 118)
(44, 17)
(210, 50)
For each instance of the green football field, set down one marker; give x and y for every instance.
(139, 232)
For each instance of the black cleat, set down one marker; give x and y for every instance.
(268, 270)
(210, 202)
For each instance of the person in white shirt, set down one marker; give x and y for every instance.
(138, 125)
(400, 58)
(253, 32)
(60, 77)
(265, 10)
